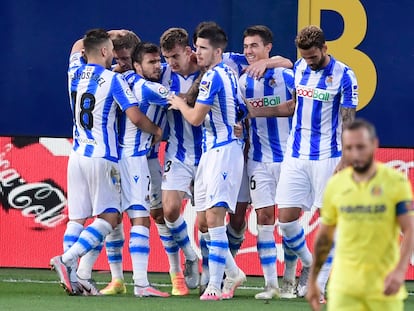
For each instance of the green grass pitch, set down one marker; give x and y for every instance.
(38, 290)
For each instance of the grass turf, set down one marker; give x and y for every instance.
(38, 290)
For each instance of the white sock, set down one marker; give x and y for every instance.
(291, 260)
(87, 261)
(171, 248)
(325, 271)
(179, 231)
(219, 250)
(114, 243)
(204, 246)
(71, 235)
(90, 237)
(139, 250)
(266, 248)
(294, 237)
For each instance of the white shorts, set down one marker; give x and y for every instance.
(263, 178)
(302, 182)
(93, 186)
(178, 176)
(135, 186)
(156, 178)
(244, 192)
(219, 177)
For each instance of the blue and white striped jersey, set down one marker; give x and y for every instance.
(95, 93)
(317, 122)
(268, 136)
(184, 141)
(235, 61)
(152, 98)
(220, 89)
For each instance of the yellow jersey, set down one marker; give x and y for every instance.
(367, 231)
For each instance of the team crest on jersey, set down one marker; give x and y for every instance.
(376, 191)
(329, 80)
(205, 87)
(272, 83)
(162, 91)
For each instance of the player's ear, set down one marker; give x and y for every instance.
(268, 47)
(188, 50)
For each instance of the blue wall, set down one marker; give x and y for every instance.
(37, 38)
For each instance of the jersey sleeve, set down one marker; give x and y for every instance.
(403, 197)
(287, 75)
(155, 93)
(122, 93)
(237, 62)
(349, 98)
(209, 86)
(328, 211)
(76, 60)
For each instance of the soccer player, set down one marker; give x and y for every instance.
(182, 156)
(124, 42)
(326, 98)
(93, 172)
(267, 141)
(368, 204)
(220, 169)
(135, 175)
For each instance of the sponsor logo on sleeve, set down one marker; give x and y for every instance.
(204, 88)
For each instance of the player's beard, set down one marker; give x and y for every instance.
(363, 167)
(320, 64)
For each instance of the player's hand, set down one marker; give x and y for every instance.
(156, 138)
(257, 69)
(175, 101)
(238, 130)
(340, 166)
(393, 282)
(313, 296)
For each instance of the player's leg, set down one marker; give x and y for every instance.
(171, 248)
(176, 183)
(292, 195)
(136, 183)
(263, 180)
(237, 225)
(321, 172)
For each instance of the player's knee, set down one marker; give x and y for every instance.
(157, 215)
(289, 214)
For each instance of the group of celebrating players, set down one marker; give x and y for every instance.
(231, 121)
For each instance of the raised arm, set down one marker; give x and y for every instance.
(258, 68)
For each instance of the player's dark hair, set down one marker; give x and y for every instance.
(310, 36)
(215, 35)
(94, 38)
(128, 40)
(144, 48)
(360, 123)
(173, 37)
(201, 25)
(260, 30)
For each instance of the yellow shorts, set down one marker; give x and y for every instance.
(342, 302)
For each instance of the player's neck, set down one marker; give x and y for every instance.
(365, 176)
(192, 68)
(97, 61)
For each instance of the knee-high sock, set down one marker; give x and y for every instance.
(204, 246)
(87, 261)
(179, 231)
(266, 247)
(235, 238)
(114, 243)
(291, 260)
(326, 270)
(219, 249)
(71, 235)
(294, 237)
(171, 248)
(90, 237)
(139, 250)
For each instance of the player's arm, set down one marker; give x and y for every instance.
(285, 109)
(77, 47)
(142, 122)
(396, 278)
(194, 115)
(192, 93)
(258, 68)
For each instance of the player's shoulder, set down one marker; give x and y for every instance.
(155, 89)
(391, 175)
(340, 179)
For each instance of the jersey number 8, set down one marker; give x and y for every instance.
(87, 104)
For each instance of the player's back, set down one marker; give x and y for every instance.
(317, 122)
(95, 93)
